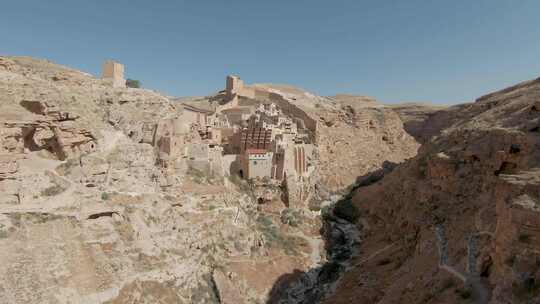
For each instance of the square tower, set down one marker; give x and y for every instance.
(113, 72)
(233, 86)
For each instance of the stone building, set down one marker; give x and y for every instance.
(255, 138)
(200, 118)
(113, 73)
(148, 132)
(237, 115)
(233, 86)
(256, 163)
(268, 109)
(221, 136)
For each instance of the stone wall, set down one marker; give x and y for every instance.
(257, 164)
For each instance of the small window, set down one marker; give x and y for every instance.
(254, 162)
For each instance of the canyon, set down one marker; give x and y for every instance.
(459, 221)
(262, 193)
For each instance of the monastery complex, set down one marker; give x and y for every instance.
(251, 133)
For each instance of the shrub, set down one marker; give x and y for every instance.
(346, 210)
(104, 196)
(290, 217)
(133, 83)
(52, 190)
(524, 238)
(464, 293)
(274, 237)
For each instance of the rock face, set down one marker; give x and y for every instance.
(99, 204)
(357, 138)
(459, 220)
(422, 121)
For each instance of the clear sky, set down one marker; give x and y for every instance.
(410, 50)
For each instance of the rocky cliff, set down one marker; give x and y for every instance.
(421, 120)
(459, 221)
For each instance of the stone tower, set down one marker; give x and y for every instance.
(113, 72)
(234, 85)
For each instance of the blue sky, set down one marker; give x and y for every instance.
(396, 51)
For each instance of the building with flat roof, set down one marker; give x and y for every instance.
(113, 73)
(256, 163)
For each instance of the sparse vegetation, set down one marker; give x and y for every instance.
(104, 196)
(3, 234)
(133, 83)
(203, 176)
(290, 217)
(464, 293)
(274, 237)
(346, 210)
(52, 190)
(205, 292)
(197, 175)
